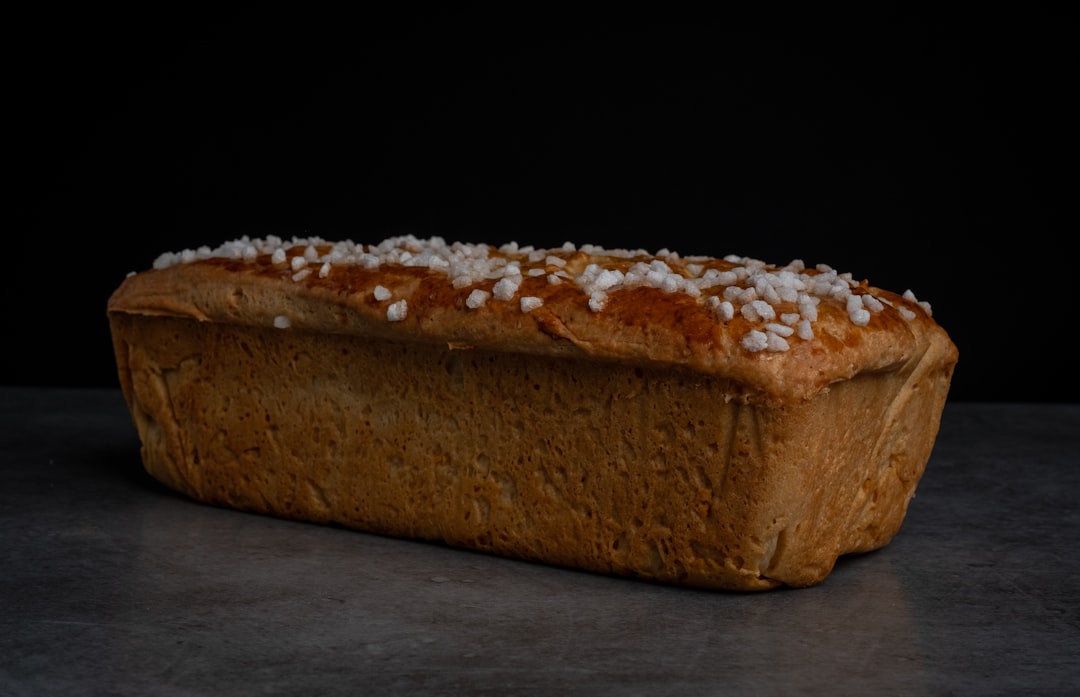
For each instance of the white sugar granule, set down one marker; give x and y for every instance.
(755, 341)
(530, 303)
(671, 283)
(871, 303)
(859, 315)
(477, 298)
(723, 309)
(779, 329)
(776, 342)
(382, 293)
(506, 288)
(397, 311)
(758, 310)
(808, 307)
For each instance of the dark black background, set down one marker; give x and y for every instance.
(915, 149)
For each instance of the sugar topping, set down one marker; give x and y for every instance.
(780, 303)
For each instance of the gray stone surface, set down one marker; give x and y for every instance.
(113, 585)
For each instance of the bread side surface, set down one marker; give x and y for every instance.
(654, 472)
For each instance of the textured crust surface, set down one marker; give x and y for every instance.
(641, 440)
(639, 324)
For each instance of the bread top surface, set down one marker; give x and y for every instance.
(782, 333)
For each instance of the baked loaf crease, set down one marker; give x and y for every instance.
(719, 423)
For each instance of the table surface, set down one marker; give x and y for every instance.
(115, 585)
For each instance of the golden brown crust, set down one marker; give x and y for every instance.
(639, 438)
(637, 324)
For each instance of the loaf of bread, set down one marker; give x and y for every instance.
(720, 423)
